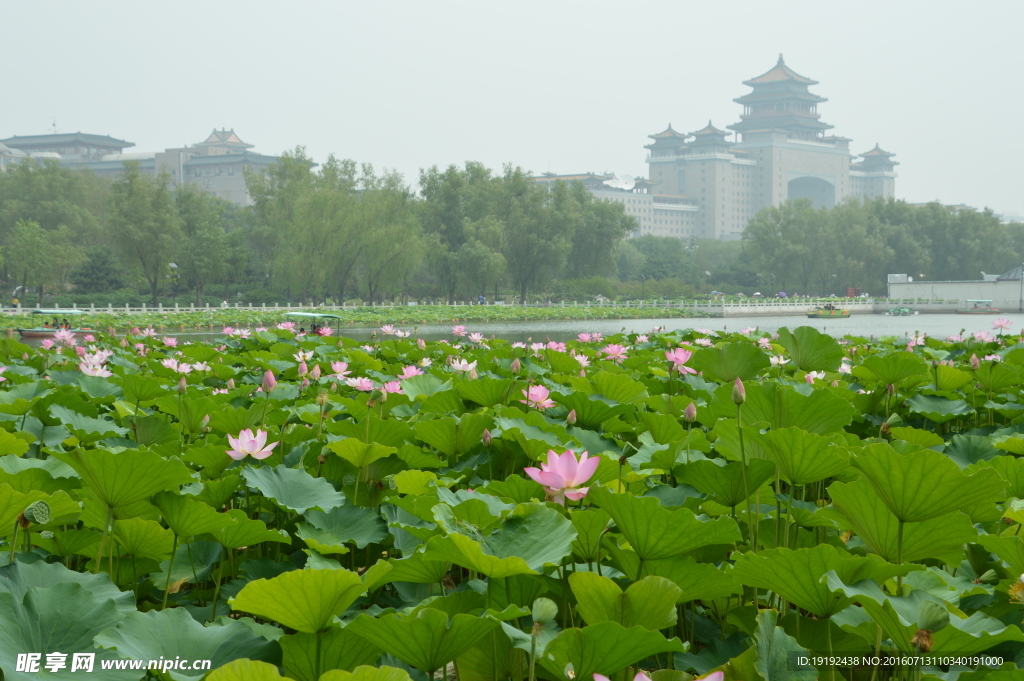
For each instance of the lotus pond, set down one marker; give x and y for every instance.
(683, 505)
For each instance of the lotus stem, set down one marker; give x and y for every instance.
(103, 539)
(170, 566)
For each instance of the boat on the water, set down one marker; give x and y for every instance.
(828, 311)
(900, 312)
(979, 307)
(61, 323)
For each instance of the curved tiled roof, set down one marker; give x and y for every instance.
(778, 73)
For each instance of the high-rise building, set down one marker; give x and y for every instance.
(778, 151)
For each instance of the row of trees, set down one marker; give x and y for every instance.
(342, 231)
(858, 244)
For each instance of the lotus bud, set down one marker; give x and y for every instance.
(544, 610)
(182, 386)
(486, 437)
(835, 384)
(124, 343)
(269, 382)
(341, 343)
(890, 388)
(739, 391)
(24, 356)
(334, 387)
(378, 395)
(321, 398)
(421, 344)
(231, 384)
(314, 373)
(690, 413)
(975, 362)
(449, 359)
(516, 366)
(571, 418)
(303, 369)
(472, 375)
(304, 384)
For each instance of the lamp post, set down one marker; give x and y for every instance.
(1020, 307)
(643, 279)
(707, 281)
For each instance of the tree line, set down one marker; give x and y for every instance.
(342, 231)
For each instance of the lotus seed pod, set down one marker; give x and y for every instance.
(46, 534)
(38, 513)
(348, 480)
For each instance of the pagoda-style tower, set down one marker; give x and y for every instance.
(781, 101)
(709, 140)
(875, 176)
(668, 142)
(878, 159)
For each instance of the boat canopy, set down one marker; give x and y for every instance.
(58, 312)
(312, 315)
(971, 300)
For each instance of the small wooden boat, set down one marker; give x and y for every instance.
(900, 312)
(828, 312)
(979, 307)
(51, 331)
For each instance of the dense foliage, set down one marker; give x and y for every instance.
(344, 232)
(285, 503)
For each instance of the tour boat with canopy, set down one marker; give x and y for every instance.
(60, 323)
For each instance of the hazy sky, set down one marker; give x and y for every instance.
(560, 86)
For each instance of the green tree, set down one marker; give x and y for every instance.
(603, 224)
(202, 251)
(144, 224)
(41, 257)
(98, 272)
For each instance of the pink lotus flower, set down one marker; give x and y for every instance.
(64, 336)
(425, 362)
(2, 369)
(983, 336)
(302, 369)
(93, 370)
(303, 356)
(764, 343)
(89, 338)
(640, 676)
(845, 368)
(519, 344)
(954, 338)
(704, 342)
(201, 366)
(679, 358)
(811, 376)
(403, 334)
(148, 332)
(387, 330)
(80, 351)
(557, 347)
(46, 343)
(616, 353)
(361, 384)
(325, 331)
(642, 338)
(170, 342)
(340, 369)
(459, 330)
(476, 337)
(247, 444)
(135, 331)
(993, 358)
(583, 338)
(409, 372)
(1001, 323)
(393, 387)
(537, 397)
(746, 331)
(286, 326)
(421, 344)
(562, 475)
(462, 366)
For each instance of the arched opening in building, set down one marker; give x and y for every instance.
(822, 193)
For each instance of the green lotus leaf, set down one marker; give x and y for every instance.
(216, 493)
(996, 377)
(69, 543)
(232, 420)
(590, 525)
(486, 392)
(85, 428)
(454, 436)
(426, 640)
(858, 507)
(416, 569)
(723, 481)
(339, 649)
(370, 429)
(367, 673)
(924, 484)
(939, 409)
(774, 647)
(360, 454)
(617, 387)
(305, 600)
(795, 574)
(424, 385)
(893, 369)
(140, 389)
(725, 363)
(696, 581)
(192, 562)
(361, 526)
(172, 633)
(119, 479)
(604, 648)
(1009, 549)
(591, 410)
(246, 670)
(649, 602)
(187, 517)
(804, 457)
(13, 503)
(293, 488)
(245, 531)
(64, 618)
(513, 548)
(821, 412)
(1011, 470)
(655, 532)
(9, 444)
(18, 578)
(144, 538)
(950, 379)
(811, 350)
(916, 436)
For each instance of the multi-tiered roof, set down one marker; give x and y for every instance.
(780, 100)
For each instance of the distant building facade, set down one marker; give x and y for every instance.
(217, 164)
(779, 152)
(703, 185)
(657, 214)
(1004, 291)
